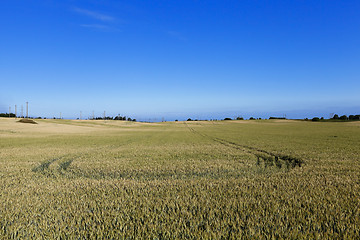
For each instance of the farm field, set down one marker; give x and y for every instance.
(256, 179)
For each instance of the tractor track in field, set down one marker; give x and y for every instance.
(65, 161)
(269, 158)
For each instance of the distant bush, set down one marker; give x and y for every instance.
(315, 119)
(346, 118)
(227, 119)
(354, 117)
(277, 118)
(251, 118)
(189, 119)
(239, 118)
(343, 117)
(120, 118)
(335, 116)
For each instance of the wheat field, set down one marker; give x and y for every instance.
(256, 179)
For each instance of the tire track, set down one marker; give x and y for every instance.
(65, 161)
(269, 158)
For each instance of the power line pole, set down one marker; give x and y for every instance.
(9, 111)
(93, 116)
(104, 115)
(22, 111)
(60, 115)
(15, 111)
(80, 115)
(27, 109)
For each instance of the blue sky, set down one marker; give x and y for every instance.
(179, 59)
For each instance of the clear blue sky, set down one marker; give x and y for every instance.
(179, 59)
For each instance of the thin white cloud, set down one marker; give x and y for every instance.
(96, 26)
(100, 27)
(95, 15)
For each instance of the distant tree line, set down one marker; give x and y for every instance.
(315, 119)
(337, 118)
(240, 118)
(277, 118)
(7, 115)
(344, 117)
(118, 117)
(334, 118)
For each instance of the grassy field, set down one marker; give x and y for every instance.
(220, 180)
